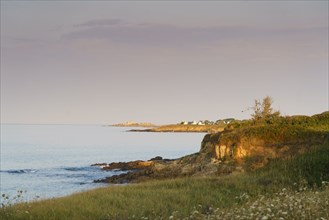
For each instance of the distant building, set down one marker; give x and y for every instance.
(200, 123)
(224, 121)
(205, 122)
(228, 120)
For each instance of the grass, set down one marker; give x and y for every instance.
(152, 199)
(298, 177)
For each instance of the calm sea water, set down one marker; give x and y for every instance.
(49, 161)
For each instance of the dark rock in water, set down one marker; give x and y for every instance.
(99, 164)
(156, 158)
(132, 165)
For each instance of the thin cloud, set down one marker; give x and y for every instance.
(179, 36)
(155, 34)
(100, 22)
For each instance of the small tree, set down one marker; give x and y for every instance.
(267, 109)
(257, 115)
(263, 110)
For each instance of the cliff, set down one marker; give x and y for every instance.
(257, 143)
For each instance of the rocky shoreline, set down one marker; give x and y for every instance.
(198, 164)
(136, 170)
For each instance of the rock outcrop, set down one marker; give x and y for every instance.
(198, 164)
(241, 147)
(133, 165)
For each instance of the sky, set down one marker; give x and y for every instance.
(105, 62)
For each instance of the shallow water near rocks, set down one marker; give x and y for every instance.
(48, 161)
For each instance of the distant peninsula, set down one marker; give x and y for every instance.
(205, 126)
(183, 128)
(134, 124)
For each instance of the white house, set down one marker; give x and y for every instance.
(200, 123)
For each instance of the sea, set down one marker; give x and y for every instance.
(47, 161)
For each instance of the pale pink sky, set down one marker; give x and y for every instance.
(162, 62)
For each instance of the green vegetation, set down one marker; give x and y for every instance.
(281, 130)
(199, 197)
(268, 125)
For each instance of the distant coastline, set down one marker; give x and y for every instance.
(134, 124)
(183, 128)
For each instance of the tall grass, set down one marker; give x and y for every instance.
(312, 168)
(181, 197)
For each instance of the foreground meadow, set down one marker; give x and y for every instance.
(294, 188)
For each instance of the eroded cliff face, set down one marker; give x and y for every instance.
(254, 150)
